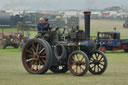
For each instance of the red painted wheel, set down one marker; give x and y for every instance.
(36, 56)
(78, 63)
(98, 63)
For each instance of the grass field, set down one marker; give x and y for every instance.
(12, 71)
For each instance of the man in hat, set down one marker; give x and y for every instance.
(47, 26)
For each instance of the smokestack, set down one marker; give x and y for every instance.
(87, 25)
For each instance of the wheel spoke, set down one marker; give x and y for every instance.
(83, 63)
(82, 59)
(37, 48)
(102, 61)
(101, 64)
(33, 46)
(94, 67)
(92, 58)
(28, 51)
(76, 68)
(32, 62)
(81, 68)
(36, 65)
(41, 62)
(92, 62)
(43, 56)
(97, 55)
(99, 67)
(100, 58)
(42, 50)
(73, 59)
(33, 50)
(77, 57)
(29, 59)
(31, 56)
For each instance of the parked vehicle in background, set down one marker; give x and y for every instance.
(14, 39)
(125, 25)
(111, 41)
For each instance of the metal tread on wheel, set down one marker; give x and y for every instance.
(36, 56)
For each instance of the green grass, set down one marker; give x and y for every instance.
(12, 71)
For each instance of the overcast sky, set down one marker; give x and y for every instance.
(59, 4)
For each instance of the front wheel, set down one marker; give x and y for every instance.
(98, 62)
(78, 63)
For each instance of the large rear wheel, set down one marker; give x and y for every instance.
(36, 56)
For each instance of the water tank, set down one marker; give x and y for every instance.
(4, 19)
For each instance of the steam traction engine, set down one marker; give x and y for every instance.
(61, 50)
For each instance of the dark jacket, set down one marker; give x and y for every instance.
(40, 27)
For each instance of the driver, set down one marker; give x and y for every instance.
(41, 25)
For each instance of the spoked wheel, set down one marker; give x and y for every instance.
(98, 63)
(59, 69)
(78, 63)
(36, 56)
